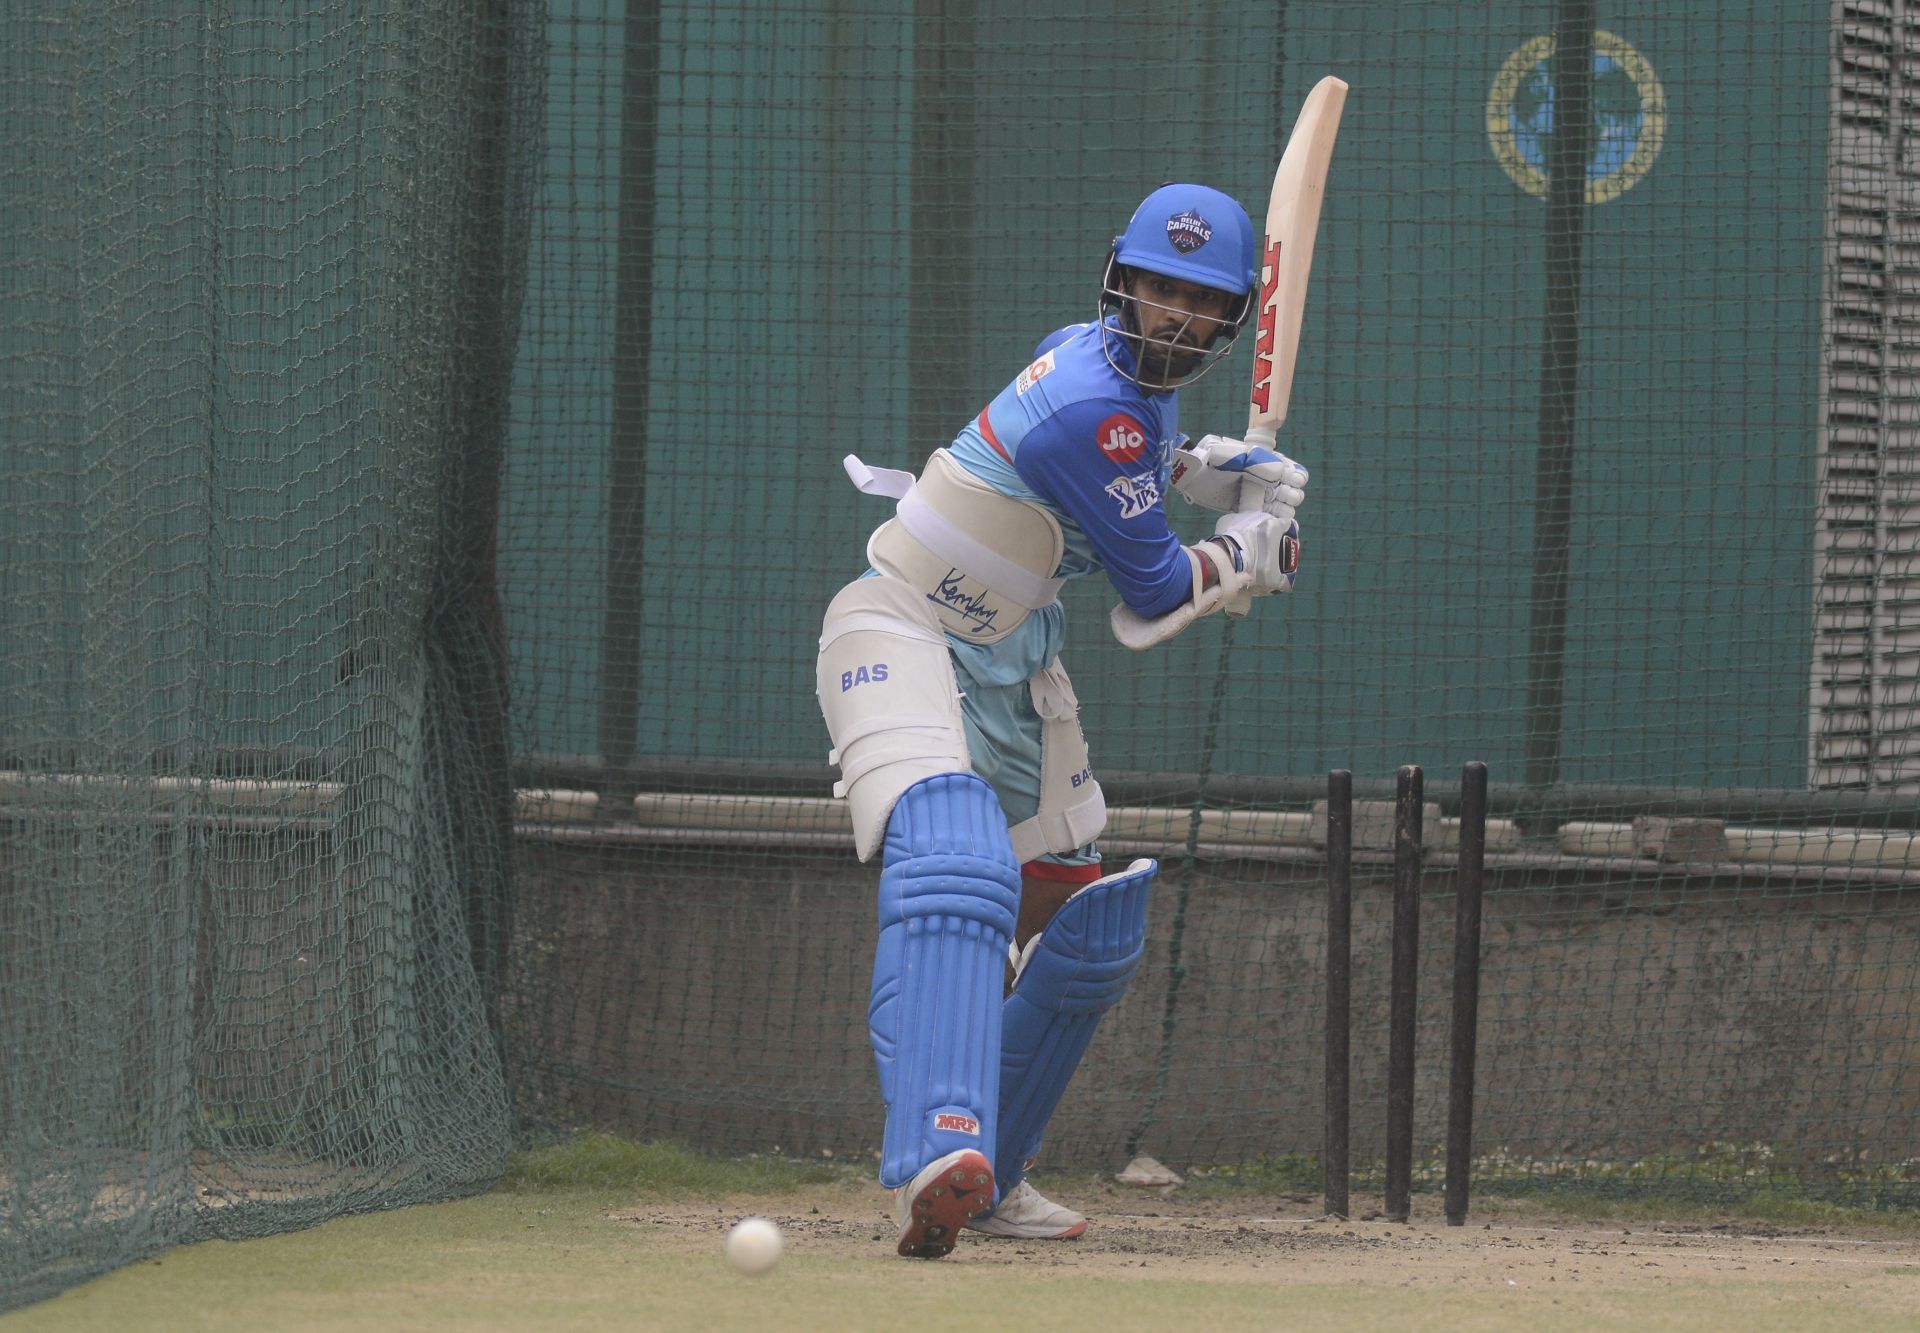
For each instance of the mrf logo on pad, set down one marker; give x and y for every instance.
(957, 1123)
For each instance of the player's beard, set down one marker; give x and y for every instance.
(1164, 358)
(1163, 363)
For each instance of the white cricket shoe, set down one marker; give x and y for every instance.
(1027, 1214)
(942, 1197)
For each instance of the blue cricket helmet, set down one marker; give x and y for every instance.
(1194, 233)
(1190, 233)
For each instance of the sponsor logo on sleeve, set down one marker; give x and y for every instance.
(1135, 495)
(1032, 374)
(1121, 438)
(957, 1123)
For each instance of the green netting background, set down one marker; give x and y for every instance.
(419, 490)
(258, 274)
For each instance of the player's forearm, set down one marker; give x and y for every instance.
(1188, 576)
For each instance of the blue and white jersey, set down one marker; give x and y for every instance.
(1080, 439)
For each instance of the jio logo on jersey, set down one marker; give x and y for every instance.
(1121, 438)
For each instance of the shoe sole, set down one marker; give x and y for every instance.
(945, 1204)
(1073, 1232)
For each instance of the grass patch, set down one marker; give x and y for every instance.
(592, 1160)
(1632, 1193)
(1758, 1207)
(1282, 1174)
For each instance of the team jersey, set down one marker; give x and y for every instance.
(1080, 439)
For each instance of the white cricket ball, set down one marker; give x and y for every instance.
(753, 1246)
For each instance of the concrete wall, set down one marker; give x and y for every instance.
(1622, 1015)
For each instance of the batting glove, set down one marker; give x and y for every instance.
(1236, 477)
(1266, 547)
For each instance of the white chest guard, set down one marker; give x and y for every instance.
(983, 559)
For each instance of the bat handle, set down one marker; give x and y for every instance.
(1261, 436)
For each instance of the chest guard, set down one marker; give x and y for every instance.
(984, 560)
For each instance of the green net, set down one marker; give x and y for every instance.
(1608, 493)
(259, 271)
(419, 491)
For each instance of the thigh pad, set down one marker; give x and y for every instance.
(887, 690)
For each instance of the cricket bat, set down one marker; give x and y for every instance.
(1286, 256)
(1286, 260)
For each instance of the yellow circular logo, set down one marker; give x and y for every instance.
(1629, 117)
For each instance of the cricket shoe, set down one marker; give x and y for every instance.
(1027, 1214)
(944, 1196)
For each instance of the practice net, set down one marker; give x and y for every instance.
(421, 489)
(259, 277)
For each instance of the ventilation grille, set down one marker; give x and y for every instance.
(1866, 662)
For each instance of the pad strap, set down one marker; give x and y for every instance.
(1072, 811)
(1070, 975)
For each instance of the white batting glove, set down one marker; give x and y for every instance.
(1236, 477)
(1267, 548)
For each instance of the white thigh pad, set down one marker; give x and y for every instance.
(888, 693)
(1073, 809)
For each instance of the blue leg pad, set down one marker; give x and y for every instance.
(1077, 969)
(949, 893)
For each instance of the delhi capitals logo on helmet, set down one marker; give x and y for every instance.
(1188, 231)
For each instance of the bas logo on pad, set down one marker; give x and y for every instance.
(1121, 438)
(959, 1124)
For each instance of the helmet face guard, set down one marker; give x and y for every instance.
(1194, 234)
(1115, 294)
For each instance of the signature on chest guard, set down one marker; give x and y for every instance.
(971, 607)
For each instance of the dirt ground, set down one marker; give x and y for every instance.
(573, 1261)
(1149, 1235)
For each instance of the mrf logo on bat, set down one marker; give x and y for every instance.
(1269, 322)
(1286, 253)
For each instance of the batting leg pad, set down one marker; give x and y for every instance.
(1072, 973)
(949, 894)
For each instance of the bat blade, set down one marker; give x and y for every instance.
(1286, 255)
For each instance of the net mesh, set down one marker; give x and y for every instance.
(1604, 495)
(258, 274)
(420, 491)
